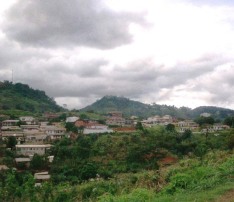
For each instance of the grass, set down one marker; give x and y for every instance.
(144, 195)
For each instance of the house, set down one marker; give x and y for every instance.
(187, 125)
(19, 135)
(96, 128)
(29, 120)
(27, 150)
(41, 177)
(218, 127)
(30, 129)
(49, 115)
(3, 167)
(24, 161)
(54, 132)
(43, 123)
(115, 118)
(35, 138)
(10, 123)
(157, 120)
(11, 128)
(72, 119)
(84, 123)
(115, 121)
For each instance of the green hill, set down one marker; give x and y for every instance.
(130, 107)
(21, 99)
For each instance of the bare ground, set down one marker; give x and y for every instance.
(227, 197)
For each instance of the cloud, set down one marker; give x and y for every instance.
(212, 2)
(61, 23)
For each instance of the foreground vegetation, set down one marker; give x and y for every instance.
(156, 164)
(188, 180)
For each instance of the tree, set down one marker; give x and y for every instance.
(170, 127)
(83, 116)
(229, 121)
(205, 120)
(71, 127)
(38, 162)
(11, 142)
(139, 126)
(186, 134)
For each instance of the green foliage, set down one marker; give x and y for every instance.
(205, 120)
(139, 126)
(11, 142)
(130, 107)
(28, 100)
(38, 162)
(170, 127)
(71, 127)
(229, 121)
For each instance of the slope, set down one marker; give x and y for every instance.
(130, 107)
(19, 98)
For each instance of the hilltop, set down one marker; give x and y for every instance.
(21, 99)
(131, 107)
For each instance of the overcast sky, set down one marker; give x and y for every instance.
(175, 52)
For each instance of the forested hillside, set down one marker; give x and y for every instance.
(20, 98)
(130, 107)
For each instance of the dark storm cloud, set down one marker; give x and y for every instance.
(62, 23)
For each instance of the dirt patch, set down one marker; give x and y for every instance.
(227, 197)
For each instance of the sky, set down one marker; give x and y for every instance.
(174, 52)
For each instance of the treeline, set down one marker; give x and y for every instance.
(23, 98)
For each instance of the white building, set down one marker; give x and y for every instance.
(28, 120)
(97, 128)
(28, 150)
(72, 119)
(157, 120)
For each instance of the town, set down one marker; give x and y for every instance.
(28, 136)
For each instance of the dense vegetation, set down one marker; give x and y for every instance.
(129, 167)
(21, 99)
(130, 107)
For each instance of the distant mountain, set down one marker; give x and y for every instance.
(20, 98)
(130, 107)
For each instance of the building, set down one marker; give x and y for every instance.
(30, 129)
(54, 132)
(72, 119)
(32, 149)
(218, 127)
(187, 125)
(97, 128)
(115, 121)
(157, 120)
(24, 161)
(10, 123)
(41, 177)
(29, 120)
(19, 135)
(35, 138)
